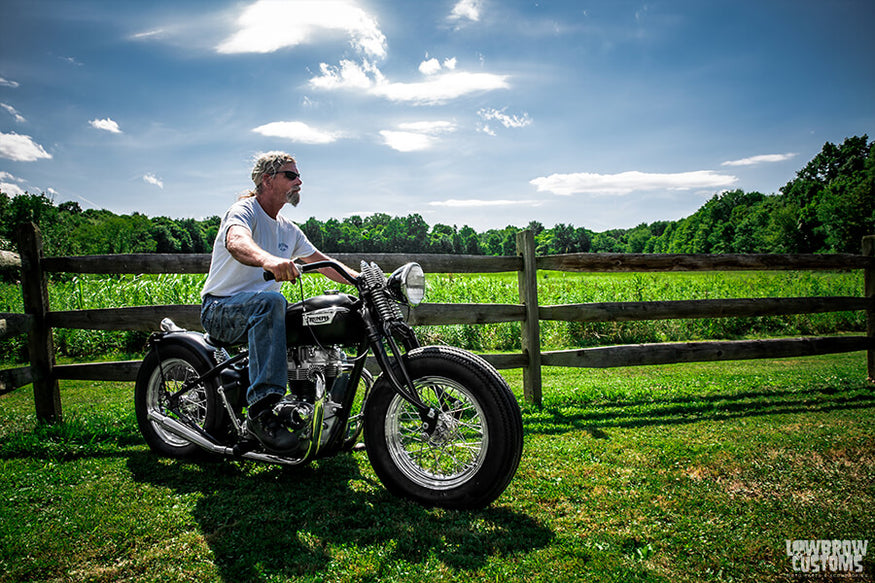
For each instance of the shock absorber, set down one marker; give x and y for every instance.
(376, 281)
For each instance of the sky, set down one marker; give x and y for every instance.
(486, 113)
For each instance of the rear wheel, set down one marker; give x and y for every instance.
(471, 456)
(158, 379)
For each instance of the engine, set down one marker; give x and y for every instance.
(312, 366)
(314, 372)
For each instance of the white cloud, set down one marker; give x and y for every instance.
(416, 136)
(13, 112)
(8, 83)
(626, 182)
(9, 187)
(765, 158)
(106, 125)
(466, 9)
(270, 25)
(21, 148)
(436, 89)
(152, 179)
(349, 75)
(441, 88)
(297, 131)
(407, 141)
(149, 34)
(432, 65)
(475, 203)
(508, 121)
(429, 127)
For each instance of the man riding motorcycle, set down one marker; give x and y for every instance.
(238, 303)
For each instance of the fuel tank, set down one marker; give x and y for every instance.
(327, 319)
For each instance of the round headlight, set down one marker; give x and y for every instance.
(413, 283)
(407, 284)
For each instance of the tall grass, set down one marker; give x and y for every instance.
(90, 292)
(575, 288)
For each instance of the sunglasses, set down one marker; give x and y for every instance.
(289, 174)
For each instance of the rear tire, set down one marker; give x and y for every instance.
(199, 405)
(469, 460)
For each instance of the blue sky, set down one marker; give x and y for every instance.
(479, 112)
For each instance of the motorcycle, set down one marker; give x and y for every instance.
(439, 424)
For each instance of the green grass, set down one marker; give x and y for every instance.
(694, 472)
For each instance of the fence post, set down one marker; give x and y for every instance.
(869, 292)
(34, 290)
(531, 329)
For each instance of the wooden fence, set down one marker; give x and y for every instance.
(38, 319)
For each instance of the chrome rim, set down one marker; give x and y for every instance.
(454, 452)
(193, 404)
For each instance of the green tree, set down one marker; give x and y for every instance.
(441, 239)
(832, 197)
(637, 238)
(170, 237)
(470, 241)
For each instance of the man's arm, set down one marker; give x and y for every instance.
(241, 246)
(327, 271)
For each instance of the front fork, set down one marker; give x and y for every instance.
(404, 385)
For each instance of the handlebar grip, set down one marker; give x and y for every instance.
(268, 276)
(305, 267)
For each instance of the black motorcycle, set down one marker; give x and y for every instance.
(440, 425)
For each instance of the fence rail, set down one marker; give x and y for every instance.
(39, 319)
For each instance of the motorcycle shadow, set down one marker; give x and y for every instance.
(263, 522)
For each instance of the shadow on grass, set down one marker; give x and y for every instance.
(596, 417)
(267, 522)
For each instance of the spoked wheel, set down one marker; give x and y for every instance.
(473, 453)
(178, 365)
(456, 449)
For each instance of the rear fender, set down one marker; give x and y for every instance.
(192, 340)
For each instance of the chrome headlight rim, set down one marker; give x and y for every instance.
(407, 284)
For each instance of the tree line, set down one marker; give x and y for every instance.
(827, 208)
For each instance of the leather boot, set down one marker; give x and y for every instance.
(264, 424)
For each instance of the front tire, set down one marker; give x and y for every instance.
(178, 364)
(474, 452)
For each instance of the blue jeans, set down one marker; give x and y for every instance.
(260, 318)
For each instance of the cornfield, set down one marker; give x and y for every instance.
(91, 291)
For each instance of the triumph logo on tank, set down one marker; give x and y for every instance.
(320, 317)
(811, 557)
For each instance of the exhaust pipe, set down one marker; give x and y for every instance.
(181, 430)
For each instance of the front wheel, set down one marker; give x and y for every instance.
(473, 453)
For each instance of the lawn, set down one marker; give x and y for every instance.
(693, 472)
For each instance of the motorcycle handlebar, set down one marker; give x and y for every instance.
(316, 265)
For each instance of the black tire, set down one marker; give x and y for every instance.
(200, 405)
(475, 451)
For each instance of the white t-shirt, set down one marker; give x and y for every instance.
(279, 237)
